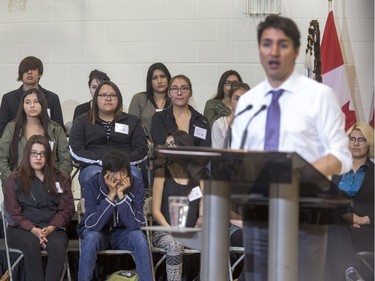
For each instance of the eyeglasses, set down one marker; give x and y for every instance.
(35, 154)
(229, 83)
(105, 96)
(361, 141)
(183, 90)
(171, 143)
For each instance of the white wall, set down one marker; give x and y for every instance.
(199, 38)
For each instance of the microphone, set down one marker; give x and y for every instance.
(250, 106)
(244, 136)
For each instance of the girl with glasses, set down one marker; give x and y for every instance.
(106, 127)
(39, 202)
(344, 240)
(219, 106)
(180, 115)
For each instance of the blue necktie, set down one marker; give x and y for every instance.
(271, 138)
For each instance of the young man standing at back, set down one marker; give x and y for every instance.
(30, 70)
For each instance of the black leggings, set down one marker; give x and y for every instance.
(28, 243)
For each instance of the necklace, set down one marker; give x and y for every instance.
(158, 104)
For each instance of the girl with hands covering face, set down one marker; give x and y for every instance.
(114, 202)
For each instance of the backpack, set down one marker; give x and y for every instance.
(123, 275)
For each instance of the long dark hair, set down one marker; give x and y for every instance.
(149, 89)
(195, 172)
(27, 173)
(93, 114)
(220, 91)
(20, 124)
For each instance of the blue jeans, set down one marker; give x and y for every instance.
(120, 239)
(89, 171)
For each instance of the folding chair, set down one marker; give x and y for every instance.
(367, 258)
(232, 267)
(8, 250)
(81, 212)
(147, 210)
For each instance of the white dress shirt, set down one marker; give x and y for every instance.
(311, 122)
(219, 132)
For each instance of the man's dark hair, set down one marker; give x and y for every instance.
(29, 63)
(286, 25)
(115, 161)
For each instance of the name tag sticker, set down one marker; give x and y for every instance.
(58, 188)
(51, 144)
(200, 132)
(122, 128)
(195, 194)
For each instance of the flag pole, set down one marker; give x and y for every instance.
(330, 6)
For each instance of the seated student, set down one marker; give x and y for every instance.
(219, 106)
(39, 202)
(220, 132)
(180, 115)
(32, 119)
(145, 104)
(175, 179)
(30, 70)
(96, 77)
(114, 214)
(106, 127)
(345, 241)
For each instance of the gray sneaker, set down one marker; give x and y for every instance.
(351, 274)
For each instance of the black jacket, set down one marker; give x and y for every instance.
(363, 202)
(81, 109)
(164, 121)
(11, 102)
(88, 143)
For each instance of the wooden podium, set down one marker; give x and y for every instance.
(283, 181)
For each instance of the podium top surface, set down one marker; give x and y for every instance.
(250, 173)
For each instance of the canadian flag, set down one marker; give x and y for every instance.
(333, 70)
